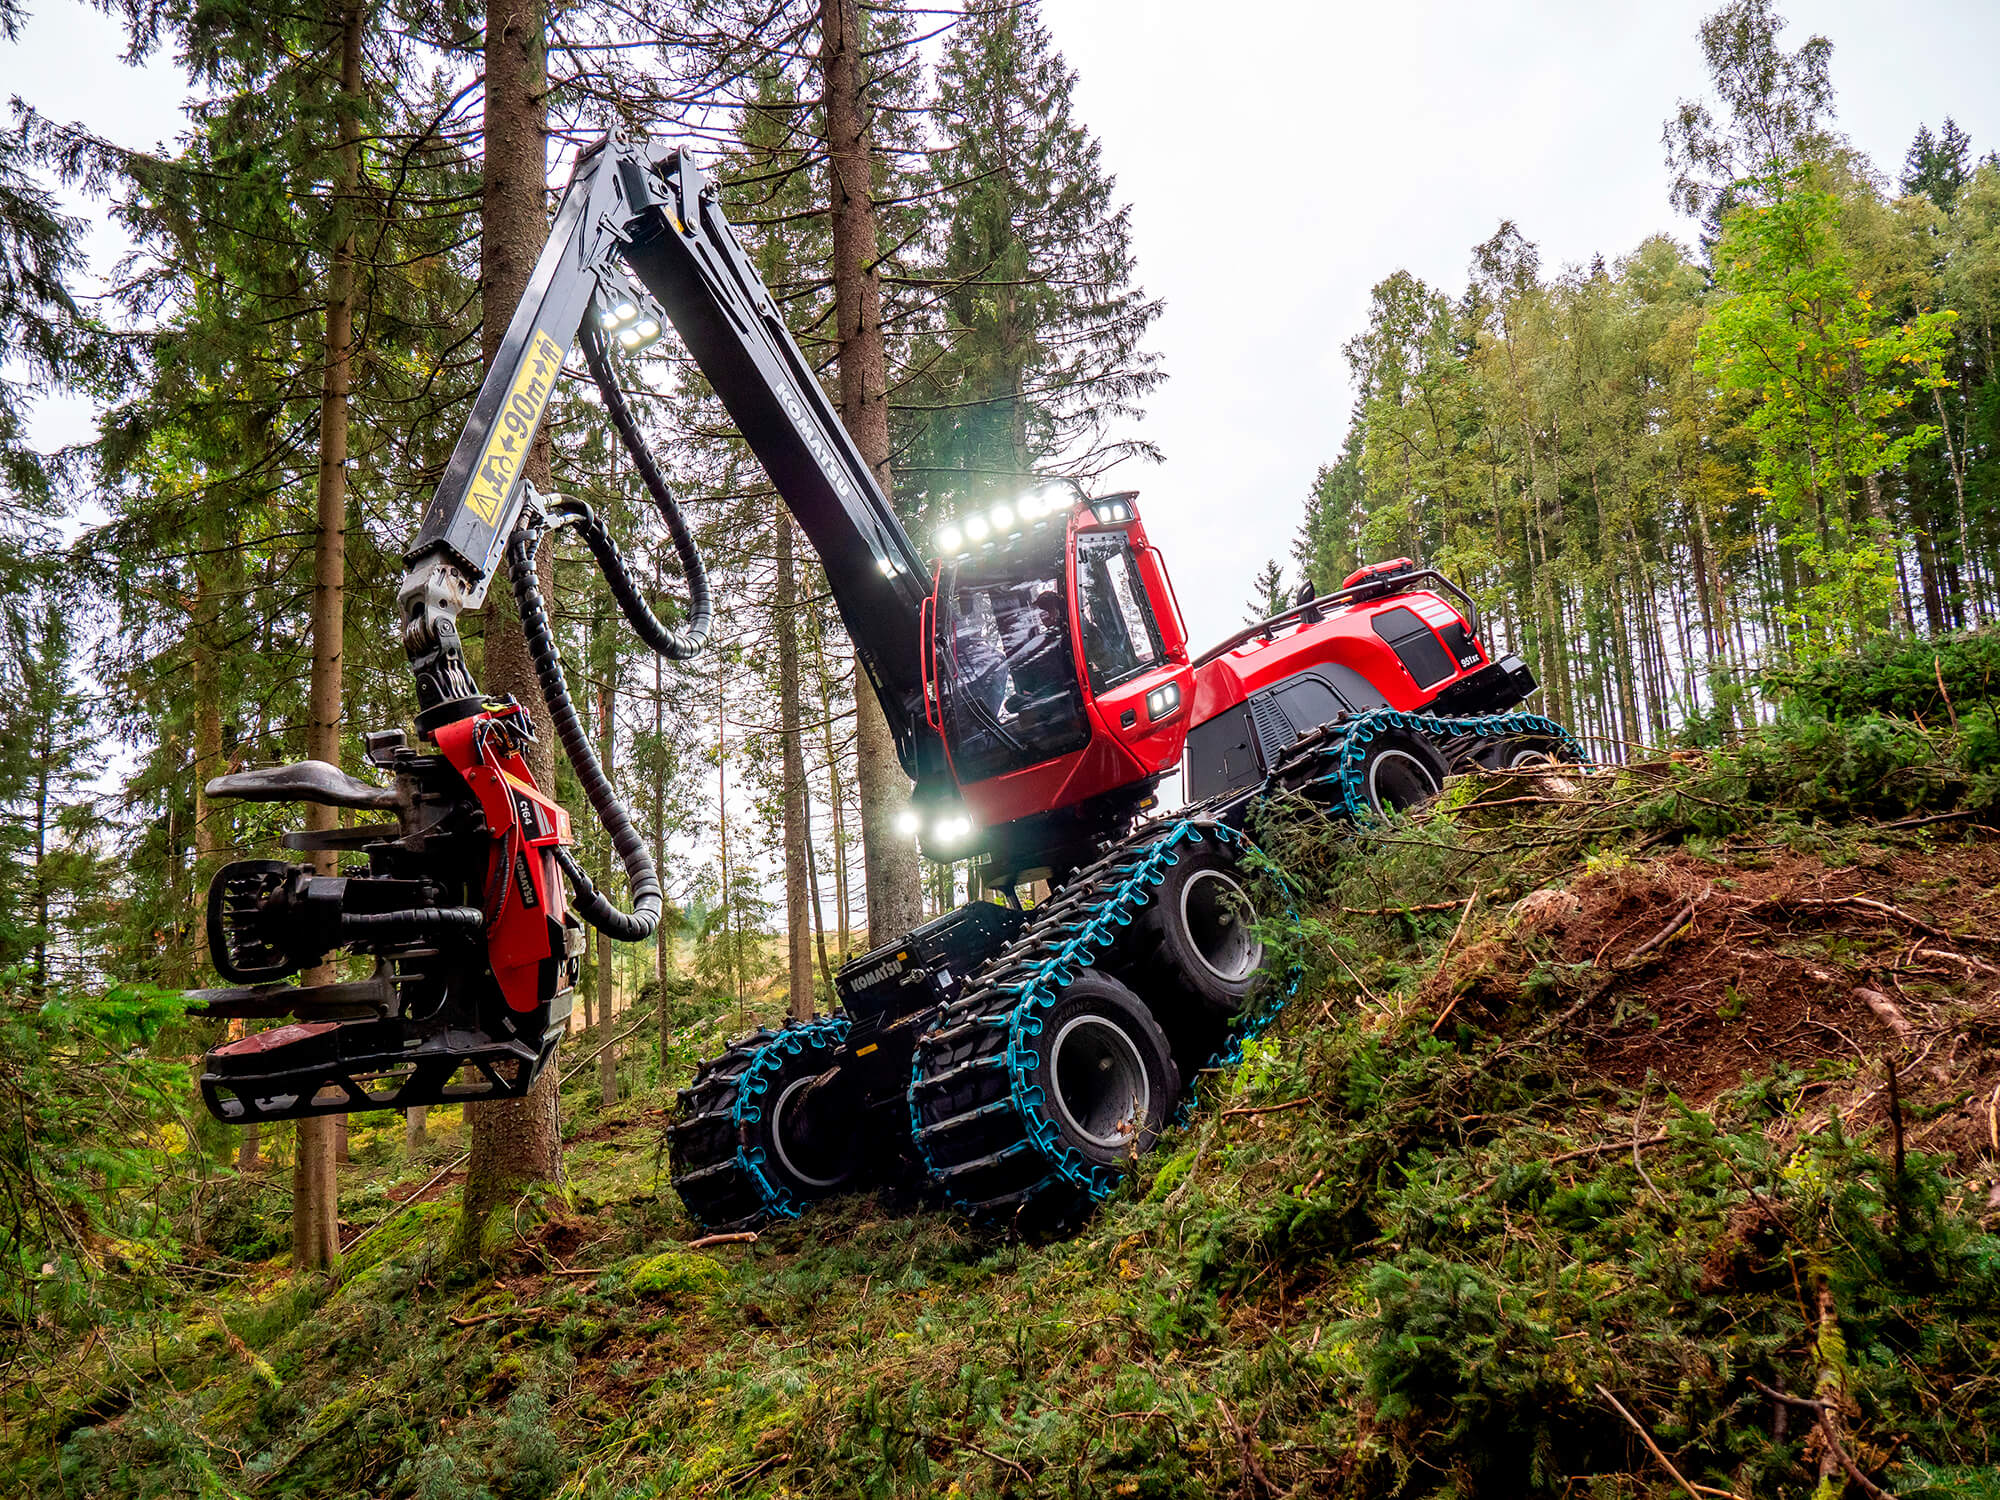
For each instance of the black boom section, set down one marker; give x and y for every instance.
(470, 513)
(650, 212)
(689, 259)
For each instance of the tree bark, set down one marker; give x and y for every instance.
(889, 859)
(512, 1142)
(607, 1055)
(836, 793)
(663, 947)
(315, 1195)
(798, 855)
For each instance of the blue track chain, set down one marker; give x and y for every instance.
(1010, 1001)
(736, 1084)
(1005, 1006)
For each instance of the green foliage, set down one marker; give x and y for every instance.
(75, 1204)
(1908, 679)
(1799, 337)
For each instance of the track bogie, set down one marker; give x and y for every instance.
(1034, 1056)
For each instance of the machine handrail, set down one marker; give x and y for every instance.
(1405, 583)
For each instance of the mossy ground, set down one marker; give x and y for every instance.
(1500, 1161)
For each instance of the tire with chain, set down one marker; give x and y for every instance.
(998, 1129)
(1400, 771)
(743, 1147)
(1198, 934)
(1089, 1084)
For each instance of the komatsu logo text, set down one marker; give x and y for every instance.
(818, 444)
(869, 978)
(514, 429)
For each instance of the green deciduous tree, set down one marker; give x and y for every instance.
(1824, 371)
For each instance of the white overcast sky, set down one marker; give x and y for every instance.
(1281, 158)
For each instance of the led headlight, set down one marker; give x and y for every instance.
(949, 540)
(1030, 507)
(951, 830)
(618, 314)
(1109, 512)
(1162, 701)
(976, 528)
(907, 823)
(1002, 517)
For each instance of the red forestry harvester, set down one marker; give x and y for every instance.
(1035, 672)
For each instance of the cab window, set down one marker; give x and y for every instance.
(1120, 636)
(1009, 689)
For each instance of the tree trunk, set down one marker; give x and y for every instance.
(663, 950)
(836, 795)
(818, 911)
(512, 1142)
(607, 1056)
(889, 858)
(415, 1120)
(798, 855)
(315, 1207)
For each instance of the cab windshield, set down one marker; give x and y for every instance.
(1006, 668)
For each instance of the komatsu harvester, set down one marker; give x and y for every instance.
(1037, 677)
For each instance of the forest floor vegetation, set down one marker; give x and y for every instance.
(1634, 1132)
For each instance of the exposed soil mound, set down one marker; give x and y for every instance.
(1787, 961)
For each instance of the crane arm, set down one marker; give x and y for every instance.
(633, 217)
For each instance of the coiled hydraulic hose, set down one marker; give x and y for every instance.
(678, 645)
(591, 904)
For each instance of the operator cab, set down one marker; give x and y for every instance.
(1056, 671)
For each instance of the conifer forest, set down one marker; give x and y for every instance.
(1612, 1110)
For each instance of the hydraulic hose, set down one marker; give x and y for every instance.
(421, 921)
(677, 645)
(591, 904)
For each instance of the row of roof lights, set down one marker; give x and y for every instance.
(1003, 520)
(1010, 518)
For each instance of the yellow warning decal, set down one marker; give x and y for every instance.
(514, 429)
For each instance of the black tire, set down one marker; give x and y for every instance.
(1520, 752)
(1198, 936)
(1106, 1072)
(1401, 771)
(1095, 1085)
(744, 1149)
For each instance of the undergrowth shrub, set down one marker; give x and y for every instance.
(1895, 675)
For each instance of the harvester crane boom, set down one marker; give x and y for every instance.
(651, 217)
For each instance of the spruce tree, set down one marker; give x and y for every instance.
(1938, 166)
(1042, 354)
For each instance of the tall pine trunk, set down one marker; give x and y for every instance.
(512, 1142)
(663, 950)
(889, 858)
(607, 1056)
(836, 793)
(798, 913)
(315, 1197)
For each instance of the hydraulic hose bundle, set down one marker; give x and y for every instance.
(678, 645)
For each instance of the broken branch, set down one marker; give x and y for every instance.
(1654, 1448)
(736, 1237)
